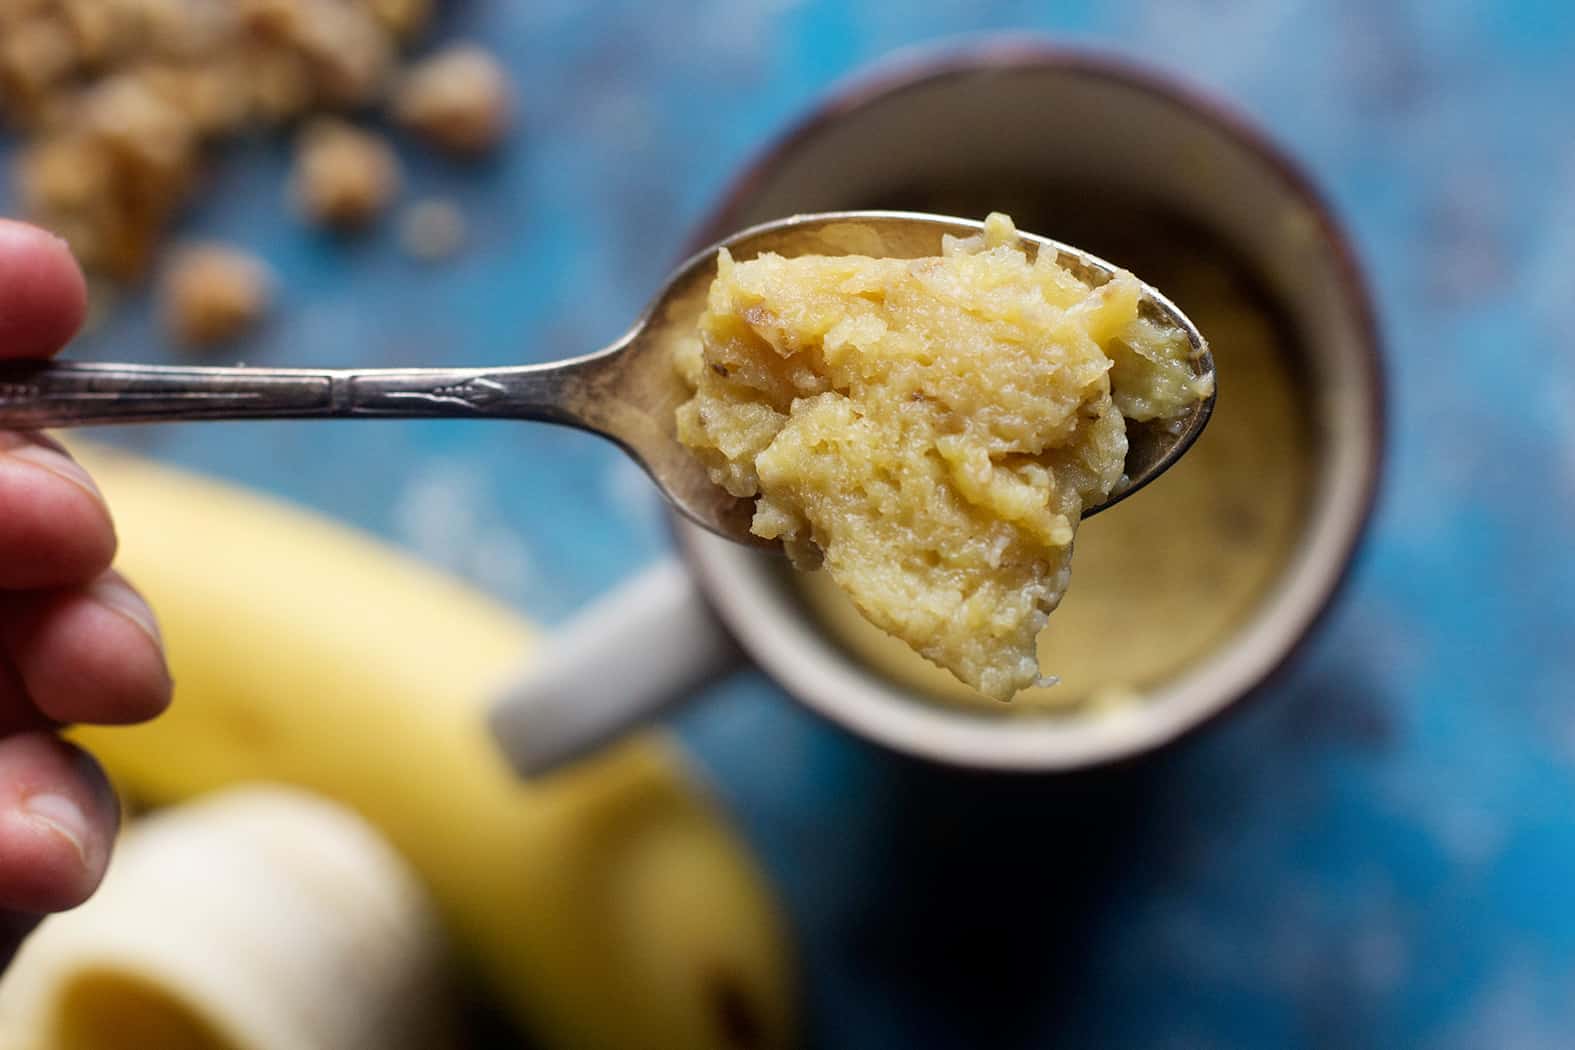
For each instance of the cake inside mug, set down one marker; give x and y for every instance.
(929, 431)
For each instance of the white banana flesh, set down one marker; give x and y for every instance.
(261, 918)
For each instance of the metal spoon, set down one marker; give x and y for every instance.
(627, 392)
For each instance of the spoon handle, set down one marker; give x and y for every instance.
(65, 394)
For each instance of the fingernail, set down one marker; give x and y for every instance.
(92, 774)
(63, 816)
(44, 452)
(111, 590)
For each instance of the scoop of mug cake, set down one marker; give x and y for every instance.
(929, 430)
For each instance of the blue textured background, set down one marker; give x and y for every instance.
(1379, 853)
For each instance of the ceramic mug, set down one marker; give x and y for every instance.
(961, 125)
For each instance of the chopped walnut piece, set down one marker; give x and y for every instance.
(458, 100)
(112, 179)
(35, 57)
(404, 17)
(213, 294)
(344, 176)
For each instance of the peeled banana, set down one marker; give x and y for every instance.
(260, 918)
(611, 906)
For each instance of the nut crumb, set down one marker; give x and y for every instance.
(344, 176)
(404, 18)
(213, 294)
(458, 100)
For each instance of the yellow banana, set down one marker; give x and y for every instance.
(610, 906)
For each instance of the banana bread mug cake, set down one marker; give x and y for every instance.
(930, 430)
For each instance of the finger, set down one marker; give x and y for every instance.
(87, 654)
(17, 712)
(43, 296)
(54, 526)
(58, 818)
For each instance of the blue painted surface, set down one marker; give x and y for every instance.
(1380, 853)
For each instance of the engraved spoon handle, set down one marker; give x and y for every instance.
(64, 394)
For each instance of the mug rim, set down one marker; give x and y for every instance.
(926, 65)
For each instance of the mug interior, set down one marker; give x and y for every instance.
(964, 128)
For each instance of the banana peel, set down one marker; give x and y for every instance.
(610, 906)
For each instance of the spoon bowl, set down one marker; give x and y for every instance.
(628, 392)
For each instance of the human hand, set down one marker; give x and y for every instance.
(77, 644)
